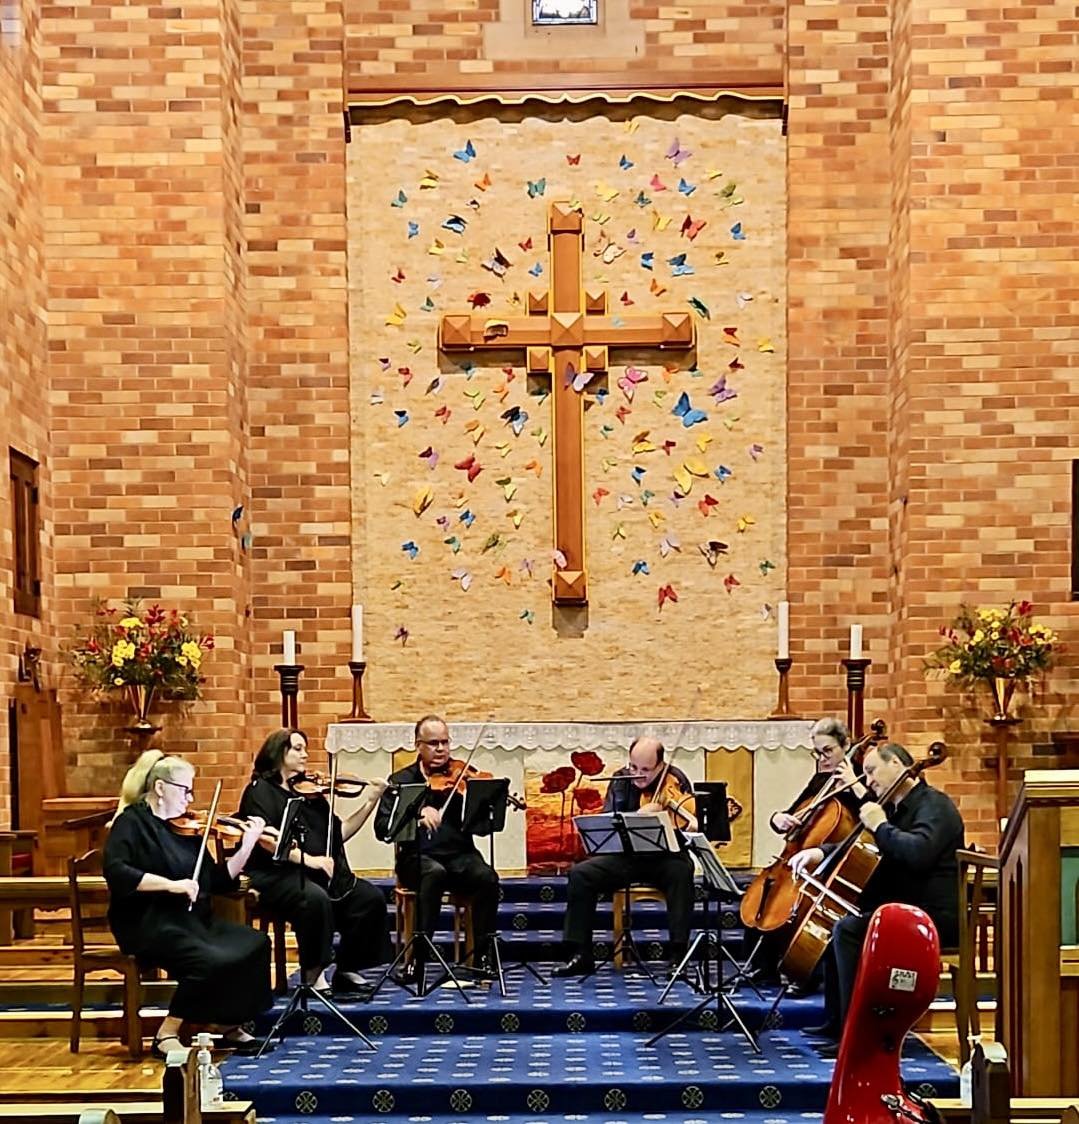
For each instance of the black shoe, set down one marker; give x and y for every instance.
(160, 1051)
(801, 991)
(828, 1050)
(825, 1030)
(580, 964)
(248, 1047)
(346, 989)
(410, 973)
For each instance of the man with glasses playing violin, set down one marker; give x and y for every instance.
(634, 788)
(442, 857)
(324, 895)
(917, 833)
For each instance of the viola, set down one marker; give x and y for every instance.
(311, 785)
(681, 805)
(772, 897)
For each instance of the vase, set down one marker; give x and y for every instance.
(141, 698)
(1003, 690)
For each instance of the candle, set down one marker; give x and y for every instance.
(855, 641)
(357, 634)
(784, 630)
(288, 647)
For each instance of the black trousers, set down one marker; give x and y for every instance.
(359, 916)
(222, 971)
(844, 953)
(430, 876)
(672, 874)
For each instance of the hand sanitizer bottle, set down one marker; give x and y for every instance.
(211, 1086)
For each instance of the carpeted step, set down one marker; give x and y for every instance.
(597, 1073)
(685, 1116)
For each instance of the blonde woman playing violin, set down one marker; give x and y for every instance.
(159, 911)
(646, 784)
(324, 895)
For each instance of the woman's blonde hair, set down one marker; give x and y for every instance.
(151, 766)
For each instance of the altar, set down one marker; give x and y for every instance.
(552, 766)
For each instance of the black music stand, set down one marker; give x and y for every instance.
(402, 828)
(291, 831)
(630, 833)
(484, 813)
(720, 883)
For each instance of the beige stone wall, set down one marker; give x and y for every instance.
(478, 652)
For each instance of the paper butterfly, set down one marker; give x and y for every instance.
(687, 189)
(640, 567)
(736, 232)
(401, 634)
(687, 413)
(648, 259)
(454, 543)
(466, 517)
(721, 392)
(712, 551)
(516, 417)
(637, 472)
(579, 379)
(625, 163)
(631, 237)
(497, 263)
(572, 161)
(744, 523)
(402, 417)
(444, 413)
(666, 593)
(462, 576)
(413, 229)
(430, 456)
(700, 308)
(401, 200)
(598, 495)
(676, 153)
(642, 200)
(410, 548)
(559, 559)
(657, 184)
(723, 474)
(705, 505)
(527, 615)
(691, 228)
(764, 565)
(755, 450)
(484, 182)
(629, 381)
(493, 541)
(465, 154)
(729, 582)
(471, 466)
(479, 299)
(455, 223)
(537, 269)
(536, 187)
(668, 545)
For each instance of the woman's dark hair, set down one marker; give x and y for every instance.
(272, 753)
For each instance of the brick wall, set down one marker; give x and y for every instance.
(145, 291)
(24, 404)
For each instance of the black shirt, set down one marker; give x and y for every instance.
(448, 840)
(918, 865)
(812, 789)
(267, 797)
(141, 843)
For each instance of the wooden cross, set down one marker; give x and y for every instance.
(566, 331)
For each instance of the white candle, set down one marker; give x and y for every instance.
(855, 641)
(357, 634)
(288, 647)
(784, 630)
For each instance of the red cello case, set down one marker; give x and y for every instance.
(896, 982)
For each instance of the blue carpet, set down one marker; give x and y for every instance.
(574, 1051)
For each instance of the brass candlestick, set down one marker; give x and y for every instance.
(289, 674)
(783, 700)
(855, 695)
(358, 712)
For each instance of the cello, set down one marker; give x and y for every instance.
(832, 891)
(770, 899)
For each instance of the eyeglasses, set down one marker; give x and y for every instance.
(188, 790)
(435, 741)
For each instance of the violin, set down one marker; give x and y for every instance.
(311, 785)
(681, 805)
(227, 829)
(455, 771)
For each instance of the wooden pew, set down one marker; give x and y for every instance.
(179, 1103)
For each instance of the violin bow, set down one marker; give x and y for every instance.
(206, 837)
(464, 768)
(333, 801)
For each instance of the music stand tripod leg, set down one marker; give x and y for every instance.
(683, 964)
(448, 975)
(298, 1003)
(502, 969)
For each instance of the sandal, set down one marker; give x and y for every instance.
(157, 1050)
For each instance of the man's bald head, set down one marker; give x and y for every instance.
(645, 760)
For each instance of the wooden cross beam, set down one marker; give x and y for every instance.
(566, 331)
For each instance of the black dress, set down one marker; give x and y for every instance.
(312, 904)
(222, 970)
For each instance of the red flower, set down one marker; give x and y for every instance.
(558, 780)
(1026, 608)
(588, 799)
(588, 762)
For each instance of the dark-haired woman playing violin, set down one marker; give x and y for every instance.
(324, 895)
(159, 911)
(444, 857)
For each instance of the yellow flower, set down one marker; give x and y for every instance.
(131, 622)
(978, 637)
(122, 650)
(182, 661)
(955, 667)
(118, 682)
(190, 652)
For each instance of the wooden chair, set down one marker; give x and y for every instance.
(622, 907)
(977, 919)
(90, 955)
(404, 901)
(277, 927)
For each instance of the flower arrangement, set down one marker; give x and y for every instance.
(988, 644)
(154, 649)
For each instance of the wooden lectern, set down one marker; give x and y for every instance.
(1037, 953)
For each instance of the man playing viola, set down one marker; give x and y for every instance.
(918, 833)
(442, 857)
(634, 788)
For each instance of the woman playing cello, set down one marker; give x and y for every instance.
(159, 907)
